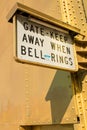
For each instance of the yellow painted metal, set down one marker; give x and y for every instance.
(26, 91)
(74, 13)
(44, 104)
(48, 127)
(68, 108)
(80, 88)
(73, 10)
(84, 3)
(53, 127)
(36, 95)
(53, 114)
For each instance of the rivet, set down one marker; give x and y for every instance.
(83, 91)
(85, 99)
(80, 12)
(73, 11)
(84, 31)
(77, 1)
(74, 17)
(79, 102)
(85, 81)
(79, 6)
(83, 24)
(81, 18)
(74, 119)
(73, 108)
(78, 96)
(83, 126)
(80, 107)
(81, 113)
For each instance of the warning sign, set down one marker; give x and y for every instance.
(44, 45)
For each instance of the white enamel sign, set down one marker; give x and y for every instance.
(39, 44)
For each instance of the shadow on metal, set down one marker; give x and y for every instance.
(60, 95)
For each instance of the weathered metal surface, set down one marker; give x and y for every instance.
(80, 88)
(48, 127)
(74, 13)
(51, 94)
(24, 88)
(45, 104)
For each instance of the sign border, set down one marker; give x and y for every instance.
(37, 63)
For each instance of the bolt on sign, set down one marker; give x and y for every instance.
(44, 45)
